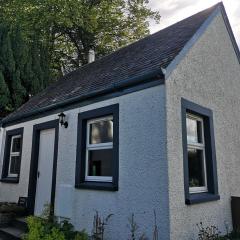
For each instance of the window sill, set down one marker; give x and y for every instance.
(195, 198)
(10, 180)
(97, 186)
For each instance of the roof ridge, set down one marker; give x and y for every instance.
(137, 42)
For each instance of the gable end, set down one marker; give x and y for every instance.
(220, 9)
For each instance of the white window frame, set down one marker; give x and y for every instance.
(98, 146)
(198, 146)
(13, 154)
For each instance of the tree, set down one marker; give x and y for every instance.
(70, 28)
(45, 63)
(23, 68)
(40, 38)
(4, 95)
(19, 51)
(37, 80)
(9, 70)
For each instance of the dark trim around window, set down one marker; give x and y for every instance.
(9, 134)
(210, 151)
(80, 181)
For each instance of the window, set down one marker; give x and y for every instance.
(196, 154)
(97, 149)
(200, 171)
(14, 160)
(12, 156)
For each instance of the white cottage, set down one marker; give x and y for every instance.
(152, 126)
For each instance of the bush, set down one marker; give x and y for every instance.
(45, 229)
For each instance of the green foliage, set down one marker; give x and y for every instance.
(24, 69)
(39, 40)
(4, 93)
(37, 77)
(47, 228)
(8, 65)
(69, 28)
(44, 229)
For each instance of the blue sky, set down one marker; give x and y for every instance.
(175, 10)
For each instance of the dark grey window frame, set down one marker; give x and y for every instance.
(9, 134)
(210, 151)
(80, 181)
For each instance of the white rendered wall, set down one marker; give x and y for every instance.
(210, 76)
(10, 191)
(143, 180)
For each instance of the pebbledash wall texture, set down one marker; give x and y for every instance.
(142, 156)
(209, 75)
(143, 176)
(151, 174)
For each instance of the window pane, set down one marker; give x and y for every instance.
(194, 131)
(100, 162)
(15, 165)
(16, 144)
(101, 132)
(196, 168)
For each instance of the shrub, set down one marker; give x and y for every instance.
(44, 229)
(47, 228)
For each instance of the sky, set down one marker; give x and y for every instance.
(172, 11)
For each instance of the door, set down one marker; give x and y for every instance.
(45, 170)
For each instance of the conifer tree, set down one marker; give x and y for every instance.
(37, 80)
(24, 68)
(11, 74)
(4, 95)
(20, 51)
(45, 66)
(18, 91)
(28, 75)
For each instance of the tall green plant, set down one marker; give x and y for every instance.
(4, 94)
(10, 71)
(43, 229)
(24, 67)
(37, 78)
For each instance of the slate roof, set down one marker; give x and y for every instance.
(149, 54)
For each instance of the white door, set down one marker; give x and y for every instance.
(45, 170)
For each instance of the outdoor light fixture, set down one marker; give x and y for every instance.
(62, 120)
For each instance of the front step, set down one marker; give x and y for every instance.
(11, 233)
(20, 223)
(15, 231)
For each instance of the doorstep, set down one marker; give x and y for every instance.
(15, 230)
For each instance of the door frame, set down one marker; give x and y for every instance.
(34, 163)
